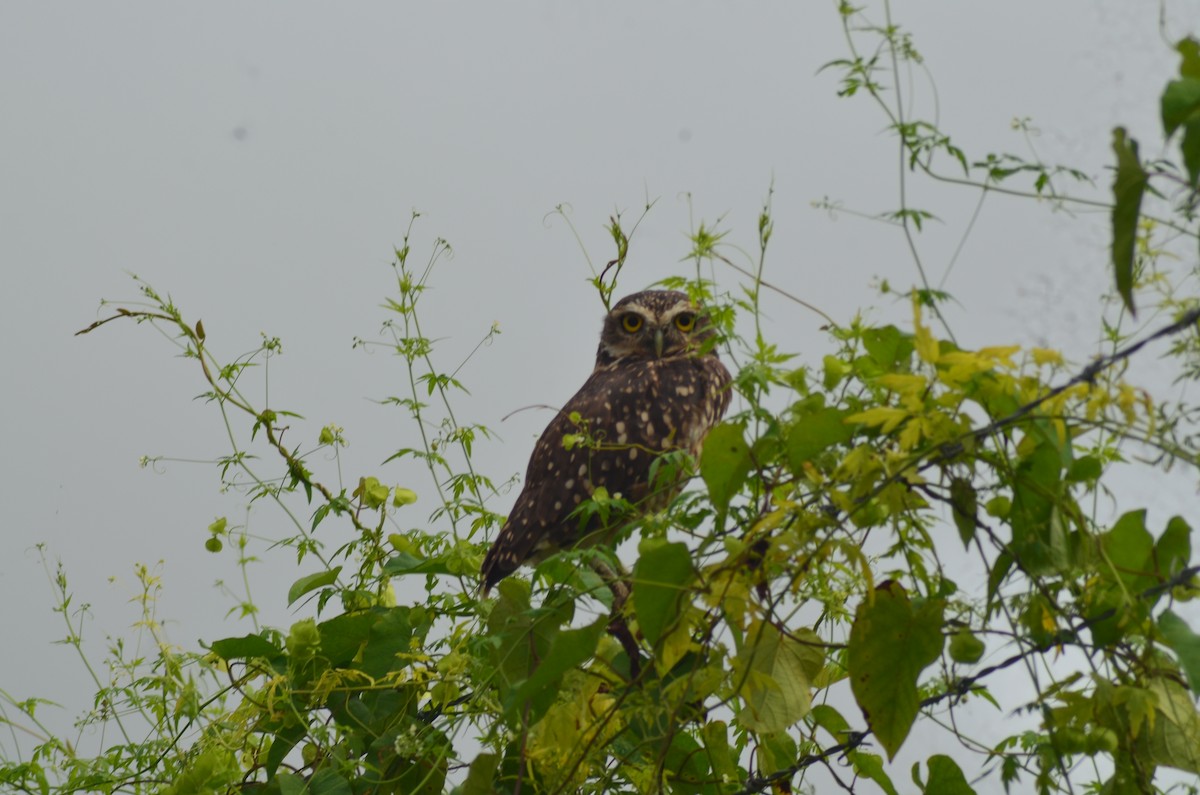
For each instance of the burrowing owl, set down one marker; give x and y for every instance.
(658, 386)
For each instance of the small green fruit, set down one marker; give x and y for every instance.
(998, 507)
(1070, 741)
(213, 544)
(966, 648)
(303, 639)
(1102, 740)
(372, 493)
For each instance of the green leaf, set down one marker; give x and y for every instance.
(213, 770)
(815, 432)
(716, 744)
(1180, 102)
(1108, 614)
(1173, 550)
(1174, 738)
(891, 642)
(890, 347)
(996, 577)
(831, 721)
(406, 563)
(1186, 645)
(246, 647)
(327, 782)
(312, 582)
(965, 505)
(835, 371)
(775, 672)
(480, 778)
(1129, 548)
(1128, 187)
(289, 784)
(1036, 490)
(1181, 109)
(725, 463)
(568, 648)
(1189, 51)
(685, 765)
(283, 742)
(1189, 147)
(1085, 470)
(520, 635)
(775, 751)
(946, 778)
(423, 773)
(659, 578)
(342, 637)
(871, 766)
(391, 635)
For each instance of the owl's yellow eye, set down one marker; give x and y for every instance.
(685, 322)
(631, 322)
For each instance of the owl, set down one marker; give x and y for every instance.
(658, 386)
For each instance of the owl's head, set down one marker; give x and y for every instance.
(653, 324)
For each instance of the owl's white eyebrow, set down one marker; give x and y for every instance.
(637, 310)
(679, 310)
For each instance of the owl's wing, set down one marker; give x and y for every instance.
(627, 415)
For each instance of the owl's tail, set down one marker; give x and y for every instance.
(502, 559)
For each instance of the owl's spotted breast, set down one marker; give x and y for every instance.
(631, 409)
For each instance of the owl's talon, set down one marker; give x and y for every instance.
(620, 630)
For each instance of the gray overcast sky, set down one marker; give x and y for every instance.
(259, 161)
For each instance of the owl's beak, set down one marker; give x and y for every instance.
(658, 343)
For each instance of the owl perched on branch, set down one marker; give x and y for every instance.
(658, 386)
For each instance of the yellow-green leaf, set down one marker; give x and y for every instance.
(1174, 739)
(673, 646)
(903, 383)
(886, 417)
(775, 671)
(926, 345)
(1138, 704)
